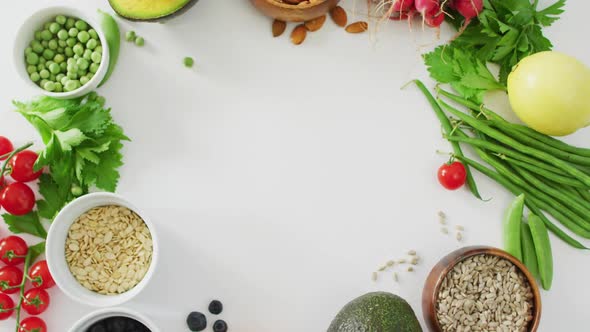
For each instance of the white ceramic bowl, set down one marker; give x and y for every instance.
(55, 250)
(83, 324)
(26, 34)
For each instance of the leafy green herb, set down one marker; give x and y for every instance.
(82, 150)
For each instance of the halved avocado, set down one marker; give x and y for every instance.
(150, 10)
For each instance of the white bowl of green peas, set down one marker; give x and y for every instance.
(62, 52)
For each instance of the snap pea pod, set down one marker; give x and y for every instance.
(448, 129)
(565, 180)
(550, 141)
(533, 205)
(113, 37)
(512, 221)
(543, 249)
(529, 255)
(575, 172)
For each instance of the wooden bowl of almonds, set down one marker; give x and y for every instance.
(481, 288)
(294, 10)
(101, 250)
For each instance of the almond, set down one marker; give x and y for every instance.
(357, 27)
(298, 35)
(278, 27)
(315, 24)
(339, 16)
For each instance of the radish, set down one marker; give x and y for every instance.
(435, 17)
(425, 6)
(468, 8)
(403, 5)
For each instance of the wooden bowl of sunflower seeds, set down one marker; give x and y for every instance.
(481, 288)
(294, 10)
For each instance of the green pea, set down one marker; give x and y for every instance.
(44, 73)
(93, 67)
(48, 63)
(59, 76)
(71, 42)
(64, 67)
(78, 49)
(37, 47)
(72, 68)
(60, 50)
(73, 32)
(49, 86)
(64, 80)
(42, 59)
(52, 44)
(76, 57)
(31, 69)
(90, 75)
(87, 54)
(60, 19)
(72, 76)
(93, 34)
(42, 82)
(40, 67)
(38, 35)
(96, 57)
(91, 44)
(189, 62)
(46, 35)
(139, 41)
(63, 34)
(83, 36)
(70, 23)
(130, 36)
(82, 63)
(28, 50)
(52, 78)
(71, 85)
(54, 68)
(44, 43)
(35, 77)
(84, 80)
(81, 25)
(58, 87)
(71, 61)
(46, 25)
(32, 58)
(59, 58)
(48, 54)
(98, 49)
(54, 27)
(69, 52)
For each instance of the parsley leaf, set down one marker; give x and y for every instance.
(29, 223)
(547, 16)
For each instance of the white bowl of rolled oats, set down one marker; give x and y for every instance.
(101, 250)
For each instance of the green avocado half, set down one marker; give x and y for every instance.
(150, 10)
(376, 312)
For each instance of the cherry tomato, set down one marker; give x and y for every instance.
(13, 250)
(40, 276)
(5, 146)
(22, 166)
(32, 324)
(18, 199)
(6, 306)
(35, 301)
(452, 176)
(10, 279)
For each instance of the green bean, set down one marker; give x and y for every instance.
(486, 145)
(512, 221)
(584, 193)
(530, 202)
(575, 205)
(529, 255)
(555, 143)
(448, 129)
(558, 178)
(517, 145)
(543, 250)
(570, 192)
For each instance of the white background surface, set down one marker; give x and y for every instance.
(280, 177)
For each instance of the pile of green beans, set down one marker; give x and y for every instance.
(553, 175)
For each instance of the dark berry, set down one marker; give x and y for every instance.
(220, 326)
(215, 307)
(116, 324)
(196, 321)
(97, 327)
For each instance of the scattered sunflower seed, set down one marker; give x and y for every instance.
(410, 269)
(459, 236)
(383, 268)
(444, 230)
(414, 261)
(390, 263)
(442, 218)
(374, 276)
(459, 228)
(412, 252)
(401, 261)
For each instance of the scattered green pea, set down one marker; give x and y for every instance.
(139, 41)
(91, 44)
(60, 19)
(63, 34)
(81, 25)
(130, 36)
(70, 23)
(54, 68)
(44, 73)
(52, 44)
(73, 32)
(189, 62)
(83, 36)
(32, 58)
(46, 35)
(35, 77)
(54, 27)
(96, 57)
(49, 86)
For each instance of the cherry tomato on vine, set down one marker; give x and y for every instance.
(17, 199)
(40, 275)
(452, 176)
(22, 166)
(35, 301)
(32, 324)
(6, 306)
(10, 279)
(5, 146)
(13, 250)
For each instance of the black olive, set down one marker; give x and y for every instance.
(215, 307)
(116, 324)
(220, 326)
(196, 321)
(97, 327)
